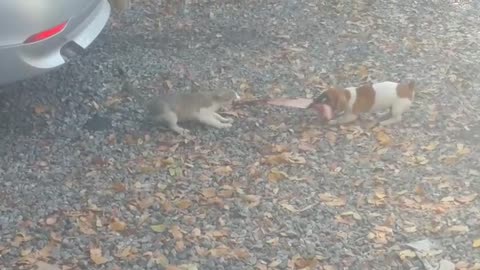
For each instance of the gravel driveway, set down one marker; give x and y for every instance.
(85, 184)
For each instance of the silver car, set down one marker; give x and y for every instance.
(37, 36)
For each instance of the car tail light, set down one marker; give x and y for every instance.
(46, 34)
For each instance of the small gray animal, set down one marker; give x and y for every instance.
(172, 108)
(195, 106)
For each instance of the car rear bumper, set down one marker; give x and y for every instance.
(24, 61)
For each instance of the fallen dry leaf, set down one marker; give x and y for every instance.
(383, 139)
(176, 232)
(253, 200)
(363, 72)
(331, 200)
(159, 259)
(218, 234)
(289, 207)
(411, 229)
(118, 226)
(159, 228)
(180, 246)
(126, 253)
(458, 229)
(466, 198)
(224, 170)
(302, 263)
(221, 251)
(209, 192)
(20, 238)
(462, 150)
(275, 175)
(283, 158)
(46, 266)
(96, 256)
(241, 253)
(85, 227)
(355, 215)
(431, 146)
(448, 199)
(407, 254)
(183, 204)
(476, 243)
(119, 187)
(51, 220)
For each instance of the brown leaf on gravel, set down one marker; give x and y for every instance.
(117, 225)
(224, 170)
(176, 232)
(183, 203)
(226, 252)
(252, 200)
(406, 254)
(276, 175)
(331, 200)
(458, 229)
(466, 198)
(305, 264)
(46, 266)
(209, 192)
(127, 253)
(289, 207)
(96, 256)
(476, 243)
(47, 250)
(380, 234)
(20, 238)
(221, 251)
(51, 220)
(159, 228)
(431, 146)
(331, 137)
(226, 192)
(119, 187)
(241, 253)
(180, 246)
(283, 158)
(85, 226)
(383, 139)
(144, 203)
(218, 234)
(158, 258)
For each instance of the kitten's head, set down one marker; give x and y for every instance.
(225, 97)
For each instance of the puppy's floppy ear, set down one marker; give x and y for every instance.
(322, 99)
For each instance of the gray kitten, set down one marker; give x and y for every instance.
(196, 106)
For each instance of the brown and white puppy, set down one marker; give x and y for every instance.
(353, 101)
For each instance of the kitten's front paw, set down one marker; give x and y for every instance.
(182, 131)
(228, 120)
(225, 125)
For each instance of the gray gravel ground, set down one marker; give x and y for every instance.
(80, 172)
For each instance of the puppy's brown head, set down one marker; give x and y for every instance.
(336, 98)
